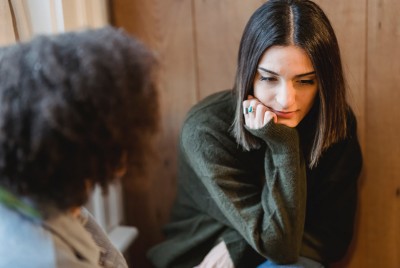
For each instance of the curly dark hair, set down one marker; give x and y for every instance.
(71, 106)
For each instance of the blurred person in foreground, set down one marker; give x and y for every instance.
(76, 109)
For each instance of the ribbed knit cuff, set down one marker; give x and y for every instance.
(280, 138)
(241, 253)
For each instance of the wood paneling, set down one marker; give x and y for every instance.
(380, 213)
(79, 14)
(197, 41)
(7, 34)
(167, 27)
(22, 19)
(218, 28)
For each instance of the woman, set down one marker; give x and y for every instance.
(76, 109)
(268, 171)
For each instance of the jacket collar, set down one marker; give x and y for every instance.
(71, 231)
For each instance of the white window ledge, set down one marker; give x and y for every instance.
(123, 236)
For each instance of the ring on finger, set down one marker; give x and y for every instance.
(251, 109)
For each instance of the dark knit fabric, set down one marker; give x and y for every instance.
(264, 203)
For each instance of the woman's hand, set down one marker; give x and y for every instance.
(218, 257)
(256, 114)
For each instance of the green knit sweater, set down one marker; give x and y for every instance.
(264, 203)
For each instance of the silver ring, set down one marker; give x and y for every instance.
(245, 110)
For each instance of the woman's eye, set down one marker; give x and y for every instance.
(268, 79)
(307, 82)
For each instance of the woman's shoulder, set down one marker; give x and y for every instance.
(214, 113)
(210, 121)
(220, 105)
(351, 123)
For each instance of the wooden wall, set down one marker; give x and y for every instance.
(7, 34)
(197, 42)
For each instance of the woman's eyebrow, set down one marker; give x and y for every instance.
(274, 73)
(267, 71)
(305, 74)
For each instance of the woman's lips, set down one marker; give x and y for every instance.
(286, 115)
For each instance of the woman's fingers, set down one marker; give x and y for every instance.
(250, 112)
(256, 115)
(268, 116)
(260, 115)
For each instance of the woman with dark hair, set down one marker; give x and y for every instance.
(76, 110)
(268, 171)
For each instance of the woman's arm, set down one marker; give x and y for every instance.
(270, 215)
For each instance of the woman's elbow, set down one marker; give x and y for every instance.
(281, 250)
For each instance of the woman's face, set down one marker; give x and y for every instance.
(286, 83)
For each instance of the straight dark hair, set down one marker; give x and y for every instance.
(301, 23)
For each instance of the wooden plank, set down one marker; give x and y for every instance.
(218, 29)
(7, 34)
(381, 214)
(22, 19)
(167, 27)
(74, 14)
(84, 14)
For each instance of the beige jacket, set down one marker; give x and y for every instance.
(61, 241)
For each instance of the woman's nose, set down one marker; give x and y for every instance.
(286, 95)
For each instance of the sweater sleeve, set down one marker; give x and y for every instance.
(269, 216)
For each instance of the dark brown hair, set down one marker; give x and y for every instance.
(301, 23)
(71, 106)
